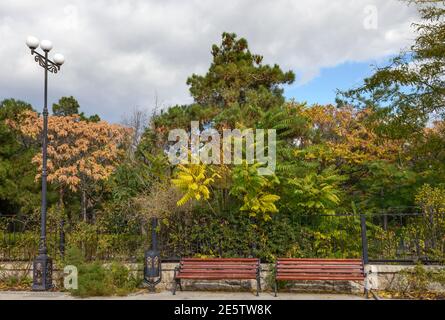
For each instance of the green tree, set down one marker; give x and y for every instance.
(66, 106)
(316, 193)
(432, 202)
(237, 79)
(19, 194)
(254, 191)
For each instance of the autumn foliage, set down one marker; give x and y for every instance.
(78, 151)
(349, 134)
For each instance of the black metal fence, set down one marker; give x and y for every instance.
(387, 237)
(406, 238)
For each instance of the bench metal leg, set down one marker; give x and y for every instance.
(174, 287)
(366, 286)
(177, 281)
(276, 288)
(258, 279)
(258, 286)
(366, 293)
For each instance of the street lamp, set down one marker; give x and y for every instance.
(43, 266)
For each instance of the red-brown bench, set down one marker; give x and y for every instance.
(217, 269)
(319, 269)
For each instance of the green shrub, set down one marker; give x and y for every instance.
(74, 257)
(92, 281)
(122, 280)
(95, 279)
(416, 282)
(17, 279)
(16, 282)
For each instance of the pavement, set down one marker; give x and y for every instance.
(184, 295)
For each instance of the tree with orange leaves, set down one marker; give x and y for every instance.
(80, 153)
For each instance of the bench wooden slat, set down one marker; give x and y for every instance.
(215, 277)
(324, 266)
(318, 272)
(330, 271)
(253, 272)
(321, 278)
(318, 263)
(318, 259)
(318, 267)
(241, 265)
(219, 267)
(220, 260)
(218, 271)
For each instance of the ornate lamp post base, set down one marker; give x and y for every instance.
(152, 269)
(42, 273)
(152, 260)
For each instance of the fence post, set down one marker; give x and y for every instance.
(62, 238)
(364, 239)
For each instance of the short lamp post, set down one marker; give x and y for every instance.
(42, 266)
(152, 260)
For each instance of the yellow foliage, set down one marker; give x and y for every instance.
(194, 181)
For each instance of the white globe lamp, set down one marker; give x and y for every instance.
(32, 42)
(46, 45)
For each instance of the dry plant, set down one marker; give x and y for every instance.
(160, 202)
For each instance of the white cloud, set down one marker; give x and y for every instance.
(119, 53)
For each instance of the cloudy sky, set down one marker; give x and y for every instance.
(123, 54)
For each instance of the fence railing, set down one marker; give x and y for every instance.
(406, 238)
(386, 237)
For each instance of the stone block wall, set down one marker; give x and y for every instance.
(380, 277)
(387, 277)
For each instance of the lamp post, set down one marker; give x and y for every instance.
(42, 266)
(152, 260)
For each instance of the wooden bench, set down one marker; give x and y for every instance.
(217, 269)
(319, 269)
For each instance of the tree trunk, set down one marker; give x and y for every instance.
(84, 205)
(62, 222)
(144, 227)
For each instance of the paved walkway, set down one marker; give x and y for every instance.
(185, 295)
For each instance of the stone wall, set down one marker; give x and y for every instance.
(387, 277)
(380, 277)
